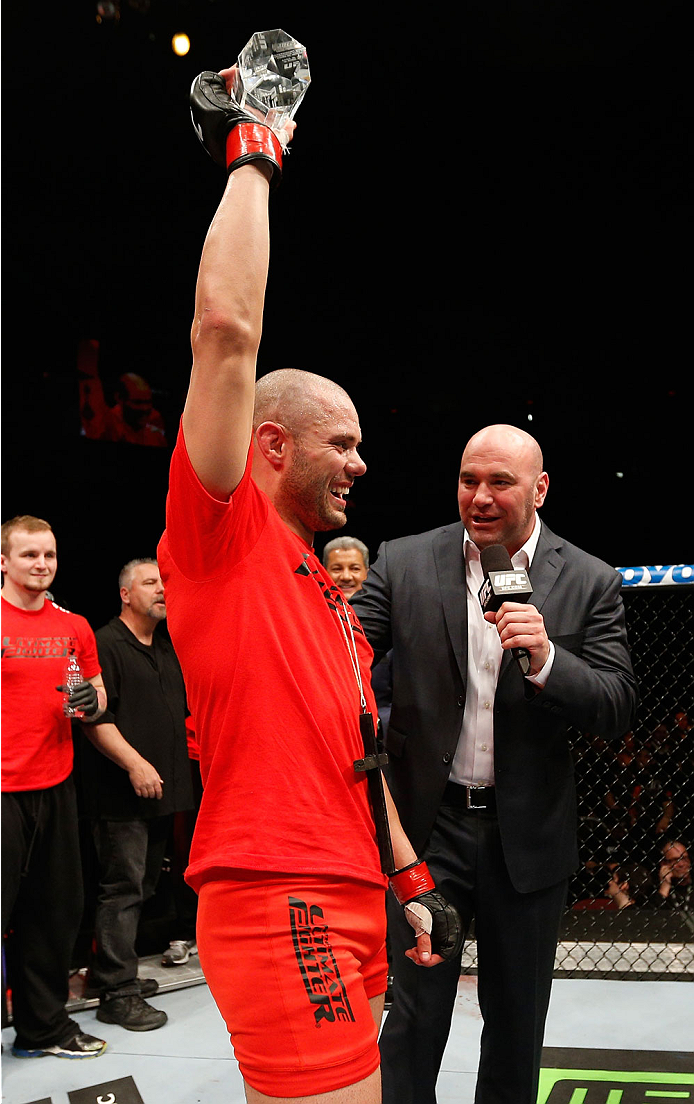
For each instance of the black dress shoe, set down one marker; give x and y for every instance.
(133, 1013)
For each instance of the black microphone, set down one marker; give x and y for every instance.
(504, 583)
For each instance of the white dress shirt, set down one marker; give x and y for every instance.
(473, 762)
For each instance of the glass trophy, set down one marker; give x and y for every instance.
(272, 78)
(72, 678)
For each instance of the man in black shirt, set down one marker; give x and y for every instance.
(133, 788)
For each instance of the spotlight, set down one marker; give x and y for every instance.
(180, 44)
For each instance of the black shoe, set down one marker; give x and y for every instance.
(133, 1013)
(80, 1046)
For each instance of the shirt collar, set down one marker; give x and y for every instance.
(522, 558)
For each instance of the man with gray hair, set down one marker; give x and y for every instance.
(346, 560)
(133, 783)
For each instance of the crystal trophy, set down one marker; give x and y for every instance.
(72, 678)
(272, 77)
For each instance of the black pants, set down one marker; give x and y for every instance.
(130, 854)
(516, 944)
(41, 909)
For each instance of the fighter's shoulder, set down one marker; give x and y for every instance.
(420, 542)
(61, 612)
(578, 559)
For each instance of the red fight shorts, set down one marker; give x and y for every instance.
(292, 962)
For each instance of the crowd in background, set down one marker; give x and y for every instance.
(636, 814)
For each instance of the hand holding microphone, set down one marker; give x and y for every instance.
(504, 598)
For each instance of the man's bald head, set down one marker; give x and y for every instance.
(306, 458)
(297, 399)
(509, 440)
(500, 487)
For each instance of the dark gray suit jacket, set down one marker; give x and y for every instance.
(414, 601)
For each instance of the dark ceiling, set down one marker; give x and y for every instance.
(485, 217)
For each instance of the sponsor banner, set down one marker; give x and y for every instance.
(658, 575)
(615, 1077)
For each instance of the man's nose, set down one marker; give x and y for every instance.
(355, 465)
(482, 494)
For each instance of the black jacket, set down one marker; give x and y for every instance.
(414, 602)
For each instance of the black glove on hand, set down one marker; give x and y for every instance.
(83, 697)
(231, 136)
(427, 911)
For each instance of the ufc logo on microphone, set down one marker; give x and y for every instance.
(503, 579)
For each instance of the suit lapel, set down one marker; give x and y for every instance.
(546, 567)
(450, 568)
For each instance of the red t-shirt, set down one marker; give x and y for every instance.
(36, 734)
(192, 740)
(252, 615)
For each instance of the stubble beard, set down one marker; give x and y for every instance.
(509, 535)
(306, 494)
(38, 584)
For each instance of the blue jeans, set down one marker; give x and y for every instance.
(130, 854)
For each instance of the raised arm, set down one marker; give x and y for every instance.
(218, 414)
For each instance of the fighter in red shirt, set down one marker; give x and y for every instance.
(291, 917)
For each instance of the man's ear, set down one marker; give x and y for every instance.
(541, 488)
(272, 441)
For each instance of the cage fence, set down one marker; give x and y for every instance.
(630, 906)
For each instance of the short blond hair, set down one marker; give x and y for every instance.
(27, 523)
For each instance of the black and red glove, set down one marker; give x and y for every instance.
(231, 136)
(82, 698)
(427, 911)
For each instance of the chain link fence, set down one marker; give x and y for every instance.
(630, 909)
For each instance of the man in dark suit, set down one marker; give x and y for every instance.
(480, 767)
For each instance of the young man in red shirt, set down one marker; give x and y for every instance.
(291, 916)
(41, 865)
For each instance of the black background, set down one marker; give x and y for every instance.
(485, 216)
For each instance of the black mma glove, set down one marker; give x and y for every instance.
(427, 911)
(82, 697)
(231, 136)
